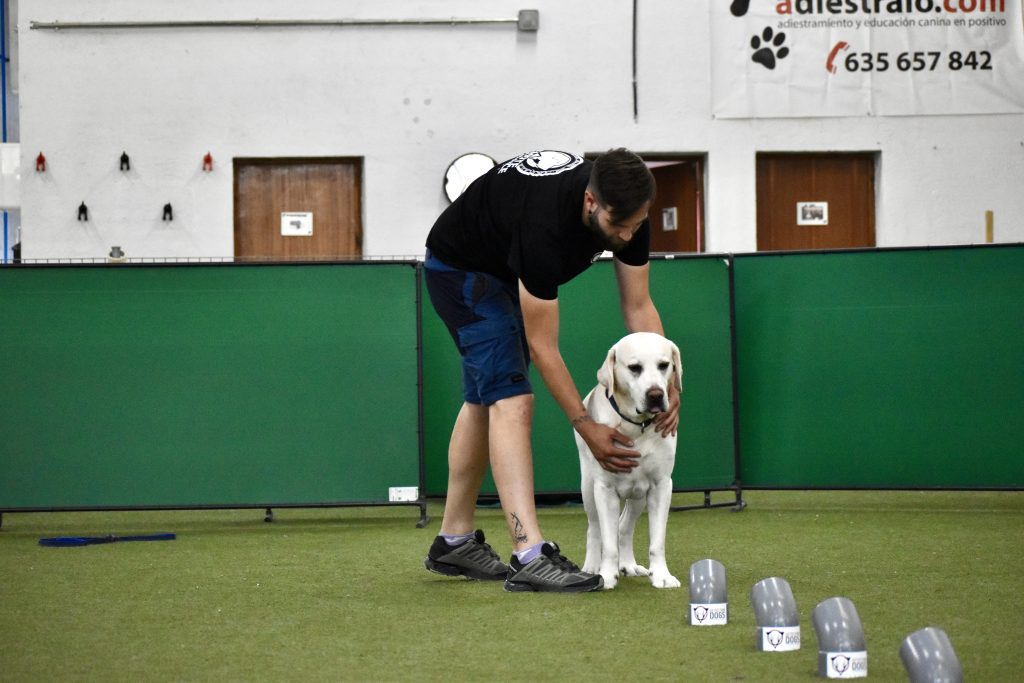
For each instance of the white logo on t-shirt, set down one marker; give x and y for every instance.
(543, 163)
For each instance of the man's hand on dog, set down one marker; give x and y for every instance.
(609, 446)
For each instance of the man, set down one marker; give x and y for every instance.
(495, 260)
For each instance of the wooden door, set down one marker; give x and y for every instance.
(815, 201)
(677, 215)
(298, 209)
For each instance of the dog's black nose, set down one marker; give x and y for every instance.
(655, 400)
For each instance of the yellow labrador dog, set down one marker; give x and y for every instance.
(633, 386)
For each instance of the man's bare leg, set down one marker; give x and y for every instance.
(467, 463)
(512, 466)
(469, 556)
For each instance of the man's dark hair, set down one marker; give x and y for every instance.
(621, 182)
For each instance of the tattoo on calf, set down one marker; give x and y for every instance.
(517, 530)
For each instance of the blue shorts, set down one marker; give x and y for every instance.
(483, 316)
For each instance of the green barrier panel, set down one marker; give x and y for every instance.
(898, 368)
(221, 385)
(692, 295)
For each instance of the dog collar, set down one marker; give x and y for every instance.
(615, 406)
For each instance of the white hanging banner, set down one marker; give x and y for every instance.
(814, 58)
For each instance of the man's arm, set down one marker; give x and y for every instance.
(638, 310)
(640, 315)
(540, 317)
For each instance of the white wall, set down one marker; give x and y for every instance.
(410, 99)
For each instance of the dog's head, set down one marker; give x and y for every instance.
(639, 370)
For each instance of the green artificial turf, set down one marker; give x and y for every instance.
(341, 594)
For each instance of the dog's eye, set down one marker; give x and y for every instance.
(635, 368)
(663, 366)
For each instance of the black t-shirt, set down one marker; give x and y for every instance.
(523, 220)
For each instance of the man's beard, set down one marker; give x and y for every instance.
(609, 242)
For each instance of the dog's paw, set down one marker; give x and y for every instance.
(634, 570)
(664, 581)
(610, 581)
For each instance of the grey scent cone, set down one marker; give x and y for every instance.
(842, 652)
(708, 594)
(928, 657)
(774, 604)
(776, 616)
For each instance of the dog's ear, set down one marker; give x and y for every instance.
(606, 373)
(678, 365)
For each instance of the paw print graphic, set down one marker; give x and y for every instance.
(768, 47)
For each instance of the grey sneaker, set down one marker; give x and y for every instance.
(550, 572)
(474, 559)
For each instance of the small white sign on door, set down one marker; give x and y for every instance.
(296, 224)
(812, 213)
(669, 219)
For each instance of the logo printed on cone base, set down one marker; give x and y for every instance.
(780, 638)
(846, 664)
(714, 614)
